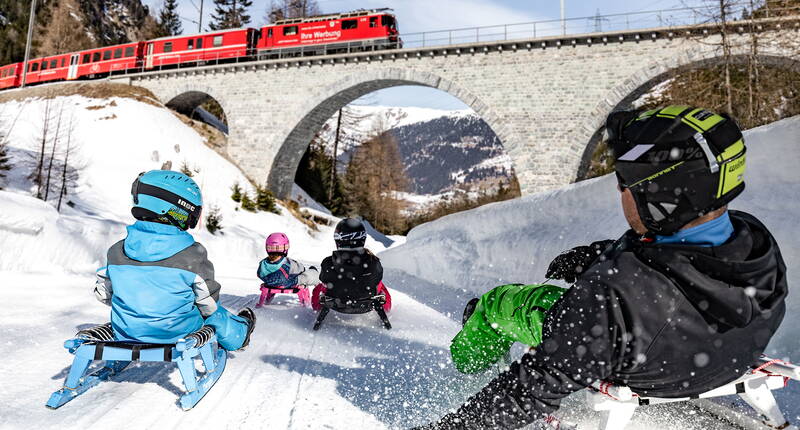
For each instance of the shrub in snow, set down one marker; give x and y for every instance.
(5, 161)
(214, 220)
(186, 170)
(265, 201)
(237, 193)
(247, 203)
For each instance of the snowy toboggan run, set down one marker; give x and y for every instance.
(352, 373)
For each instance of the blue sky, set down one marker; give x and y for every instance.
(429, 15)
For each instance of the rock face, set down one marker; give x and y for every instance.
(115, 21)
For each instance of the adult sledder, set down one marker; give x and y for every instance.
(683, 303)
(283, 275)
(351, 278)
(163, 297)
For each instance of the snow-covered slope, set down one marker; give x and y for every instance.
(116, 139)
(465, 254)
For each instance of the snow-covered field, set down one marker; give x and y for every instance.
(350, 374)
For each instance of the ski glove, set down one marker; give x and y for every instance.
(570, 264)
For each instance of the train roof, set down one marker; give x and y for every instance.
(206, 33)
(359, 12)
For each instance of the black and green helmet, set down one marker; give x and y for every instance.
(679, 162)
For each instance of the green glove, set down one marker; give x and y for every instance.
(504, 315)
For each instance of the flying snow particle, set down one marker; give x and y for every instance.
(701, 359)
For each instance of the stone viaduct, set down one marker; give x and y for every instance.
(545, 98)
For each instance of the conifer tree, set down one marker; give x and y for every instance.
(265, 201)
(236, 192)
(230, 14)
(247, 203)
(168, 20)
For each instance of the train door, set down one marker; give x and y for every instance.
(72, 72)
(148, 56)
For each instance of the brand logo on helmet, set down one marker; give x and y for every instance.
(686, 154)
(350, 236)
(186, 205)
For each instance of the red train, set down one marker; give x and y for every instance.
(328, 34)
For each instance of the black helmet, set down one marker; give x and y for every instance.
(350, 233)
(679, 163)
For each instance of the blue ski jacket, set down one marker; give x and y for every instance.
(159, 284)
(286, 273)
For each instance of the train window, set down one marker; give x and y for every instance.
(190, 45)
(168, 47)
(349, 24)
(129, 51)
(86, 58)
(290, 30)
(54, 63)
(199, 44)
(217, 41)
(118, 53)
(44, 65)
(4, 74)
(35, 67)
(107, 55)
(387, 21)
(62, 61)
(269, 33)
(95, 57)
(373, 21)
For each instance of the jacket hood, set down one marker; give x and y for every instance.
(150, 241)
(731, 284)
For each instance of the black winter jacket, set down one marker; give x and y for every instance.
(666, 320)
(351, 274)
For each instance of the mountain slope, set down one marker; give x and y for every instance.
(442, 149)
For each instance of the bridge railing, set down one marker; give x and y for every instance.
(590, 24)
(676, 17)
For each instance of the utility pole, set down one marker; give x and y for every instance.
(28, 43)
(200, 21)
(563, 19)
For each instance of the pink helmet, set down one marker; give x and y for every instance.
(278, 242)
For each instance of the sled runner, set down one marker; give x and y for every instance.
(97, 343)
(379, 303)
(268, 293)
(617, 403)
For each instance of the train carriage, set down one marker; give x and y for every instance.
(47, 69)
(218, 46)
(10, 75)
(105, 61)
(329, 34)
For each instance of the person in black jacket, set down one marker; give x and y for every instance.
(682, 303)
(351, 274)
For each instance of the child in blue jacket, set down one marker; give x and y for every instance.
(158, 280)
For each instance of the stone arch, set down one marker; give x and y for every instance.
(185, 98)
(623, 95)
(331, 98)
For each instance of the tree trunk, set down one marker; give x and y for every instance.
(53, 154)
(726, 49)
(332, 183)
(64, 173)
(42, 149)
